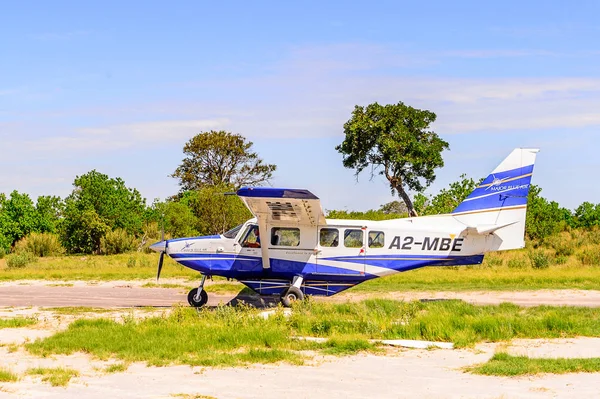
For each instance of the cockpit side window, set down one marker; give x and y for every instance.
(251, 237)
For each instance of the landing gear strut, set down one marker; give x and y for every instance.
(292, 293)
(198, 297)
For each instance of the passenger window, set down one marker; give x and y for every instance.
(353, 238)
(329, 237)
(285, 236)
(376, 239)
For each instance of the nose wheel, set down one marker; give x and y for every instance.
(198, 297)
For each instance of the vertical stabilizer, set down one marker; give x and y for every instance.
(499, 204)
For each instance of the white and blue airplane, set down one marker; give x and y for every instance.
(290, 249)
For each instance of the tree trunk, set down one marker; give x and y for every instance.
(407, 201)
(396, 183)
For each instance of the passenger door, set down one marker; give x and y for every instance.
(248, 257)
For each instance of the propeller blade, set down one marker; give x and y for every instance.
(160, 264)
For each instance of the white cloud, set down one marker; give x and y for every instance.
(125, 135)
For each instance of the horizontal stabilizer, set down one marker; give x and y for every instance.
(488, 228)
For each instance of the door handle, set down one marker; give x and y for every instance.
(220, 249)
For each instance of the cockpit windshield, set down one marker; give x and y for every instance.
(233, 232)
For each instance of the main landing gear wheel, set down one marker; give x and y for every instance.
(197, 303)
(291, 295)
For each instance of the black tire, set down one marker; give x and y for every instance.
(291, 295)
(203, 298)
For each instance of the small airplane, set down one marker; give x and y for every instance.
(290, 249)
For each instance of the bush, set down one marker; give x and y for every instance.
(2, 253)
(539, 260)
(117, 242)
(517, 263)
(19, 260)
(492, 261)
(590, 256)
(40, 244)
(561, 260)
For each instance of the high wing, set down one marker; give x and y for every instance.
(282, 206)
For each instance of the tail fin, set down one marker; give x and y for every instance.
(499, 204)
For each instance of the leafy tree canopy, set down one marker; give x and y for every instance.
(395, 140)
(448, 198)
(221, 158)
(99, 204)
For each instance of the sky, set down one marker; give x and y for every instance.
(120, 87)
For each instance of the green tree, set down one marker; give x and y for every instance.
(17, 218)
(49, 210)
(218, 158)
(544, 217)
(99, 204)
(394, 207)
(394, 139)
(371, 214)
(215, 211)
(588, 215)
(449, 198)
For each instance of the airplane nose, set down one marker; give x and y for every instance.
(159, 246)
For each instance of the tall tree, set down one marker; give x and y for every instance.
(396, 142)
(97, 205)
(221, 158)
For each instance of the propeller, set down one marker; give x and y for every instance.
(164, 248)
(160, 264)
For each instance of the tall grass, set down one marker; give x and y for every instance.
(19, 260)
(117, 241)
(40, 244)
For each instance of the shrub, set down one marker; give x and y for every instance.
(562, 245)
(117, 241)
(517, 263)
(561, 260)
(40, 244)
(590, 256)
(19, 260)
(539, 260)
(492, 261)
(2, 253)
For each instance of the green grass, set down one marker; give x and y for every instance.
(75, 310)
(482, 278)
(503, 364)
(17, 322)
(57, 377)
(501, 271)
(8, 376)
(116, 368)
(232, 336)
(96, 267)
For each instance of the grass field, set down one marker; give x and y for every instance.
(16, 322)
(569, 260)
(236, 335)
(503, 364)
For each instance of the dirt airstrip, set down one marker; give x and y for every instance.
(401, 373)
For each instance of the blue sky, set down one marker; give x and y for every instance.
(121, 86)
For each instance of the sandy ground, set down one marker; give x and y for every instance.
(398, 374)
(130, 293)
(401, 373)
